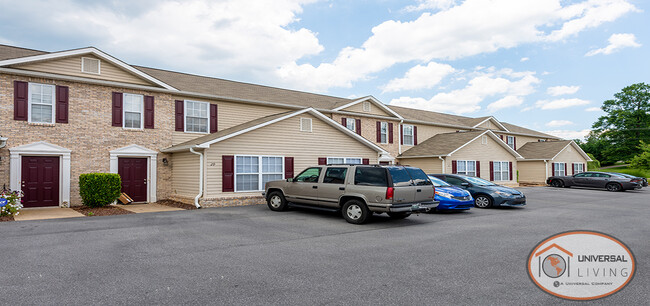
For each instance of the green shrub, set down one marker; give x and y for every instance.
(99, 189)
(642, 160)
(593, 165)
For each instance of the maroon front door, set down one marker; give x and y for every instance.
(133, 172)
(40, 181)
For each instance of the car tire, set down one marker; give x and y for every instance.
(276, 201)
(355, 212)
(483, 201)
(399, 215)
(614, 187)
(557, 183)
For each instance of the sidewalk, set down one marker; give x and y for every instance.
(44, 213)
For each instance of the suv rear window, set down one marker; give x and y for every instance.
(400, 176)
(419, 177)
(370, 176)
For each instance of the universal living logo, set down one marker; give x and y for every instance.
(581, 265)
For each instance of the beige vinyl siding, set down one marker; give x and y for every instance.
(492, 151)
(522, 140)
(569, 155)
(374, 110)
(428, 164)
(532, 172)
(283, 139)
(72, 66)
(185, 174)
(369, 131)
(490, 124)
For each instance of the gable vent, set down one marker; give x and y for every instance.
(305, 124)
(90, 65)
(366, 106)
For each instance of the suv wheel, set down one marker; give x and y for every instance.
(399, 215)
(276, 201)
(482, 201)
(614, 187)
(355, 212)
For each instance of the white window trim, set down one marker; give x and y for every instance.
(575, 170)
(381, 127)
(185, 117)
(412, 134)
(354, 124)
(510, 144)
(310, 124)
(502, 171)
(124, 112)
(345, 160)
(557, 169)
(259, 173)
(465, 172)
(29, 102)
(99, 65)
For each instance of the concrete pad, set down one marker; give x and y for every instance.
(149, 207)
(42, 213)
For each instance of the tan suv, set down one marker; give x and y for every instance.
(356, 190)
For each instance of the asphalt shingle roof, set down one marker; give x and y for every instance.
(441, 144)
(542, 150)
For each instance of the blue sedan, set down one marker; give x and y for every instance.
(486, 194)
(450, 197)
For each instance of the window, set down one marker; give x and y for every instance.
(253, 172)
(501, 170)
(578, 168)
(305, 124)
(133, 111)
(466, 167)
(344, 160)
(419, 177)
(559, 169)
(510, 140)
(309, 175)
(541, 140)
(408, 134)
(41, 103)
(351, 124)
(400, 176)
(454, 181)
(383, 132)
(335, 175)
(196, 116)
(484, 139)
(370, 176)
(366, 106)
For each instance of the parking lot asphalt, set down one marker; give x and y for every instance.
(251, 255)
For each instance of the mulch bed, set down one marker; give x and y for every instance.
(176, 204)
(102, 211)
(6, 218)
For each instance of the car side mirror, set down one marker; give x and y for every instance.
(290, 180)
(465, 184)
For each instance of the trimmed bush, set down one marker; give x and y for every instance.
(99, 189)
(593, 165)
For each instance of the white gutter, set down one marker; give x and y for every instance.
(443, 164)
(399, 136)
(196, 199)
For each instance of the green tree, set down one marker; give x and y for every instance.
(597, 146)
(642, 160)
(594, 164)
(626, 124)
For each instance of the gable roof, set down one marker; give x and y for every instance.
(447, 144)
(372, 100)
(429, 116)
(548, 150)
(522, 130)
(475, 122)
(209, 139)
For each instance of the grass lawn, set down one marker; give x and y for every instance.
(631, 171)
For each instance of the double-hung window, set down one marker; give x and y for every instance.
(559, 169)
(41, 103)
(344, 160)
(466, 167)
(133, 111)
(383, 132)
(510, 140)
(408, 134)
(578, 168)
(501, 171)
(253, 172)
(197, 116)
(350, 123)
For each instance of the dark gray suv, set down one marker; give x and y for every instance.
(357, 191)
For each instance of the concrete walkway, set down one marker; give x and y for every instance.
(42, 213)
(147, 208)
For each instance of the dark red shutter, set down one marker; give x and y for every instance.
(566, 169)
(21, 92)
(288, 167)
(228, 173)
(501, 136)
(322, 160)
(415, 135)
(552, 169)
(491, 171)
(179, 114)
(62, 104)
(478, 168)
(514, 142)
(510, 166)
(344, 122)
(148, 112)
(117, 109)
(213, 118)
(401, 134)
(390, 132)
(454, 167)
(366, 161)
(358, 126)
(379, 131)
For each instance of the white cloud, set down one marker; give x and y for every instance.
(524, 59)
(560, 103)
(557, 123)
(569, 134)
(616, 42)
(484, 83)
(431, 5)
(505, 102)
(593, 109)
(562, 90)
(588, 14)
(420, 77)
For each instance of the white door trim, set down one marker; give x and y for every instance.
(152, 162)
(41, 148)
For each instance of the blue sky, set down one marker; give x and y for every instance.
(543, 64)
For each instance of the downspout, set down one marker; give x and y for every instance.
(546, 169)
(443, 164)
(399, 136)
(196, 199)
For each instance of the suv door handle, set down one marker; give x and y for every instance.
(315, 187)
(419, 190)
(341, 188)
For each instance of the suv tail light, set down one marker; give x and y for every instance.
(390, 191)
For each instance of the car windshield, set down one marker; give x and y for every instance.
(438, 182)
(478, 181)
